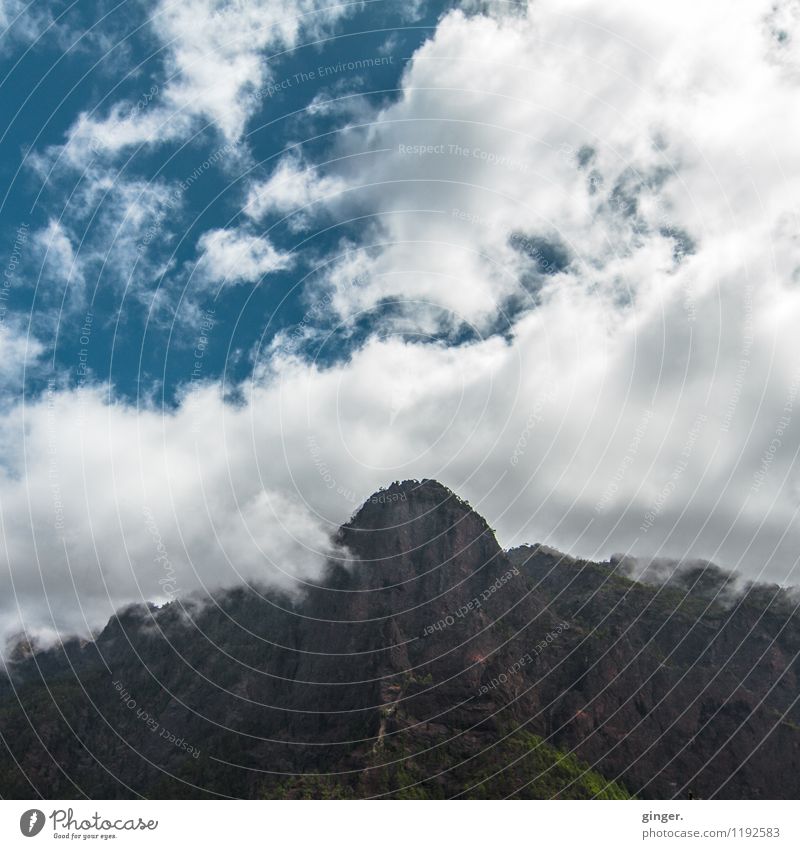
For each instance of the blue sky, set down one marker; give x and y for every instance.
(547, 253)
(93, 56)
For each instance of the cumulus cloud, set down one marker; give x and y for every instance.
(229, 257)
(292, 188)
(95, 495)
(216, 50)
(125, 126)
(18, 351)
(103, 505)
(618, 150)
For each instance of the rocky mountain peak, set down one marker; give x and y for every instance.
(407, 500)
(412, 529)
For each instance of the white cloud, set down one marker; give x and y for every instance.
(292, 188)
(19, 352)
(60, 261)
(124, 127)
(216, 64)
(105, 237)
(97, 488)
(21, 21)
(234, 256)
(484, 143)
(658, 150)
(534, 433)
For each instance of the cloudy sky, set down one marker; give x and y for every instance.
(261, 258)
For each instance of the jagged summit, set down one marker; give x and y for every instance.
(413, 490)
(404, 501)
(414, 528)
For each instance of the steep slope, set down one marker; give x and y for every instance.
(432, 664)
(685, 688)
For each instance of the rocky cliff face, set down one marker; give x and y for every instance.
(431, 664)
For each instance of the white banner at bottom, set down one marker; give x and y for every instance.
(396, 825)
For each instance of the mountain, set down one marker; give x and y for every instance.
(430, 664)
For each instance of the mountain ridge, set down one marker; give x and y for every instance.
(433, 664)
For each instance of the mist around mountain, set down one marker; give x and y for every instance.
(429, 664)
